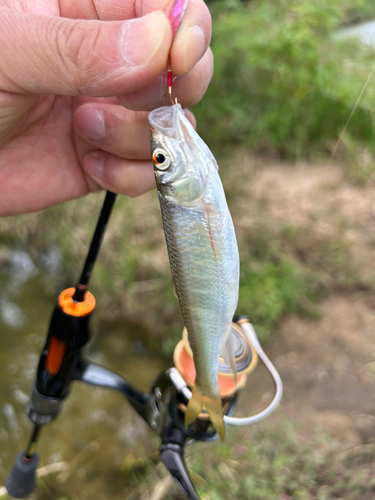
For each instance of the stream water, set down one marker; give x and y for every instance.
(365, 32)
(92, 419)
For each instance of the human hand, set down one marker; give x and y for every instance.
(62, 133)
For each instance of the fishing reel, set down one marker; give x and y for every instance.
(163, 408)
(171, 391)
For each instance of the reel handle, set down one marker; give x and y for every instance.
(172, 456)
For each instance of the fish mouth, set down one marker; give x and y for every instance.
(165, 119)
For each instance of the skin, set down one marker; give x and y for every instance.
(62, 133)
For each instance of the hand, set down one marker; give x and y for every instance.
(62, 133)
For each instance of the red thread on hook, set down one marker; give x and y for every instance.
(169, 77)
(175, 16)
(169, 80)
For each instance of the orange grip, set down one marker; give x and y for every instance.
(55, 355)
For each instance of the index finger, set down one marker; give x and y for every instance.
(192, 38)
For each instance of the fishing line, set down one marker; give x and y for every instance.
(351, 114)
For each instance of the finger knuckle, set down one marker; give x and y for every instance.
(75, 46)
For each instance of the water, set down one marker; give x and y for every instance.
(365, 32)
(97, 429)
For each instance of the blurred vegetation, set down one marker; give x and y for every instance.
(272, 461)
(280, 464)
(283, 82)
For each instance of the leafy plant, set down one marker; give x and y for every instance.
(283, 83)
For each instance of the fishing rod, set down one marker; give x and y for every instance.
(59, 361)
(97, 238)
(163, 408)
(62, 362)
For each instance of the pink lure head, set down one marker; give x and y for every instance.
(176, 15)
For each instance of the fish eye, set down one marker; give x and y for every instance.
(161, 159)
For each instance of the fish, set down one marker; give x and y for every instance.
(202, 249)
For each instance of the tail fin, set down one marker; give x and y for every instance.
(212, 404)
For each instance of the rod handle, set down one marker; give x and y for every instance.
(22, 478)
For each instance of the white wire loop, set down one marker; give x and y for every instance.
(253, 419)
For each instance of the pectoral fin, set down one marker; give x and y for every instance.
(188, 188)
(212, 404)
(227, 354)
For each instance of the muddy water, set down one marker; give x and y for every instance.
(96, 420)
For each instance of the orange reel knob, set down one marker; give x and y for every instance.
(73, 308)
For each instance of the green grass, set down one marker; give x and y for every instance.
(274, 460)
(283, 83)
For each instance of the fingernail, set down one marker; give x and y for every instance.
(89, 123)
(193, 47)
(142, 38)
(148, 96)
(93, 164)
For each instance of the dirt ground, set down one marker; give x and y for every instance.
(327, 364)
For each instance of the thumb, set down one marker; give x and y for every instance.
(53, 55)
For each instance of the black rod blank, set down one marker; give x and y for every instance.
(96, 241)
(33, 439)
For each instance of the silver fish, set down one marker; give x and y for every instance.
(202, 249)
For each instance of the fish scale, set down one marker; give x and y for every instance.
(198, 279)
